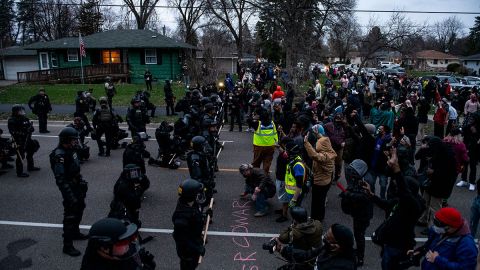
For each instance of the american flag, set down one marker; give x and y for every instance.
(82, 46)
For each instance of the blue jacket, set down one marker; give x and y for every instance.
(457, 252)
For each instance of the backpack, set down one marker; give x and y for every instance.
(105, 115)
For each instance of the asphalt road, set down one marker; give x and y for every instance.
(31, 212)
(70, 109)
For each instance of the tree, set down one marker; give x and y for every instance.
(145, 11)
(343, 36)
(7, 17)
(301, 24)
(190, 13)
(397, 32)
(447, 32)
(474, 37)
(90, 18)
(27, 15)
(234, 15)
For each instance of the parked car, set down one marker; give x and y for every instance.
(399, 72)
(454, 83)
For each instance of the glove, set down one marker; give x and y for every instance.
(147, 259)
(292, 203)
(209, 212)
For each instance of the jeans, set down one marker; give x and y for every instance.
(371, 178)
(391, 256)
(260, 201)
(472, 165)
(474, 215)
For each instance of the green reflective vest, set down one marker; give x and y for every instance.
(265, 135)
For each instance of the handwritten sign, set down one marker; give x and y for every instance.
(245, 254)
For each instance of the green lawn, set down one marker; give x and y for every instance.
(66, 93)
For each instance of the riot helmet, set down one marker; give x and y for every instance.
(114, 239)
(198, 143)
(299, 214)
(191, 190)
(68, 135)
(18, 109)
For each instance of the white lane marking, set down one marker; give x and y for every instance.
(219, 151)
(164, 231)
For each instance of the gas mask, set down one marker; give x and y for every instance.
(125, 249)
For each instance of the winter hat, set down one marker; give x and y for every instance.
(450, 217)
(279, 88)
(370, 128)
(359, 166)
(343, 235)
(319, 128)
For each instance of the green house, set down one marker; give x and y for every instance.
(118, 53)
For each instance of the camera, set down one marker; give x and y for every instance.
(412, 260)
(270, 246)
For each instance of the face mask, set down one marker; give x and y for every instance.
(22, 113)
(439, 230)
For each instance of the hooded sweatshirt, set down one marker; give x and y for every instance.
(323, 157)
(305, 235)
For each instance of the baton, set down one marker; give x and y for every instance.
(206, 230)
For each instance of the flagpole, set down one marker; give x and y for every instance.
(81, 56)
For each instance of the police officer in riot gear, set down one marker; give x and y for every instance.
(199, 166)
(135, 152)
(144, 97)
(188, 221)
(66, 168)
(82, 149)
(128, 192)
(21, 130)
(211, 136)
(114, 245)
(104, 123)
(40, 105)
(136, 118)
(81, 108)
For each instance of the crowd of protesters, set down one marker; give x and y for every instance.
(362, 129)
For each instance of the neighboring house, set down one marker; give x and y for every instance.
(16, 59)
(472, 63)
(132, 51)
(228, 64)
(431, 60)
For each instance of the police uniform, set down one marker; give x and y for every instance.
(128, 192)
(135, 153)
(66, 168)
(40, 105)
(201, 170)
(104, 123)
(81, 108)
(136, 119)
(188, 221)
(21, 130)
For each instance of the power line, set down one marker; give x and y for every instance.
(306, 9)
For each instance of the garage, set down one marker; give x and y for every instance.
(16, 59)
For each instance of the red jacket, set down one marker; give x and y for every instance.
(440, 116)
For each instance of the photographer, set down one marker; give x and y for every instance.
(396, 234)
(304, 234)
(336, 253)
(449, 245)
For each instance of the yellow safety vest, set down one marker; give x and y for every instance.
(290, 181)
(265, 136)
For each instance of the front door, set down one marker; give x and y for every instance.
(44, 61)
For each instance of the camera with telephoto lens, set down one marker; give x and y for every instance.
(270, 246)
(412, 260)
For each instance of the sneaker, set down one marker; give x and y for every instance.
(71, 251)
(281, 219)
(462, 183)
(471, 187)
(260, 214)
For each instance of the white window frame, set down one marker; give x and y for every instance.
(44, 64)
(72, 55)
(53, 59)
(151, 57)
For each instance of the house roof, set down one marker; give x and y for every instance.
(432, 54)
(472, 57)
(17, 51)
(114, 39)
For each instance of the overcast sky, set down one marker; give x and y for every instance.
(167, 16)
